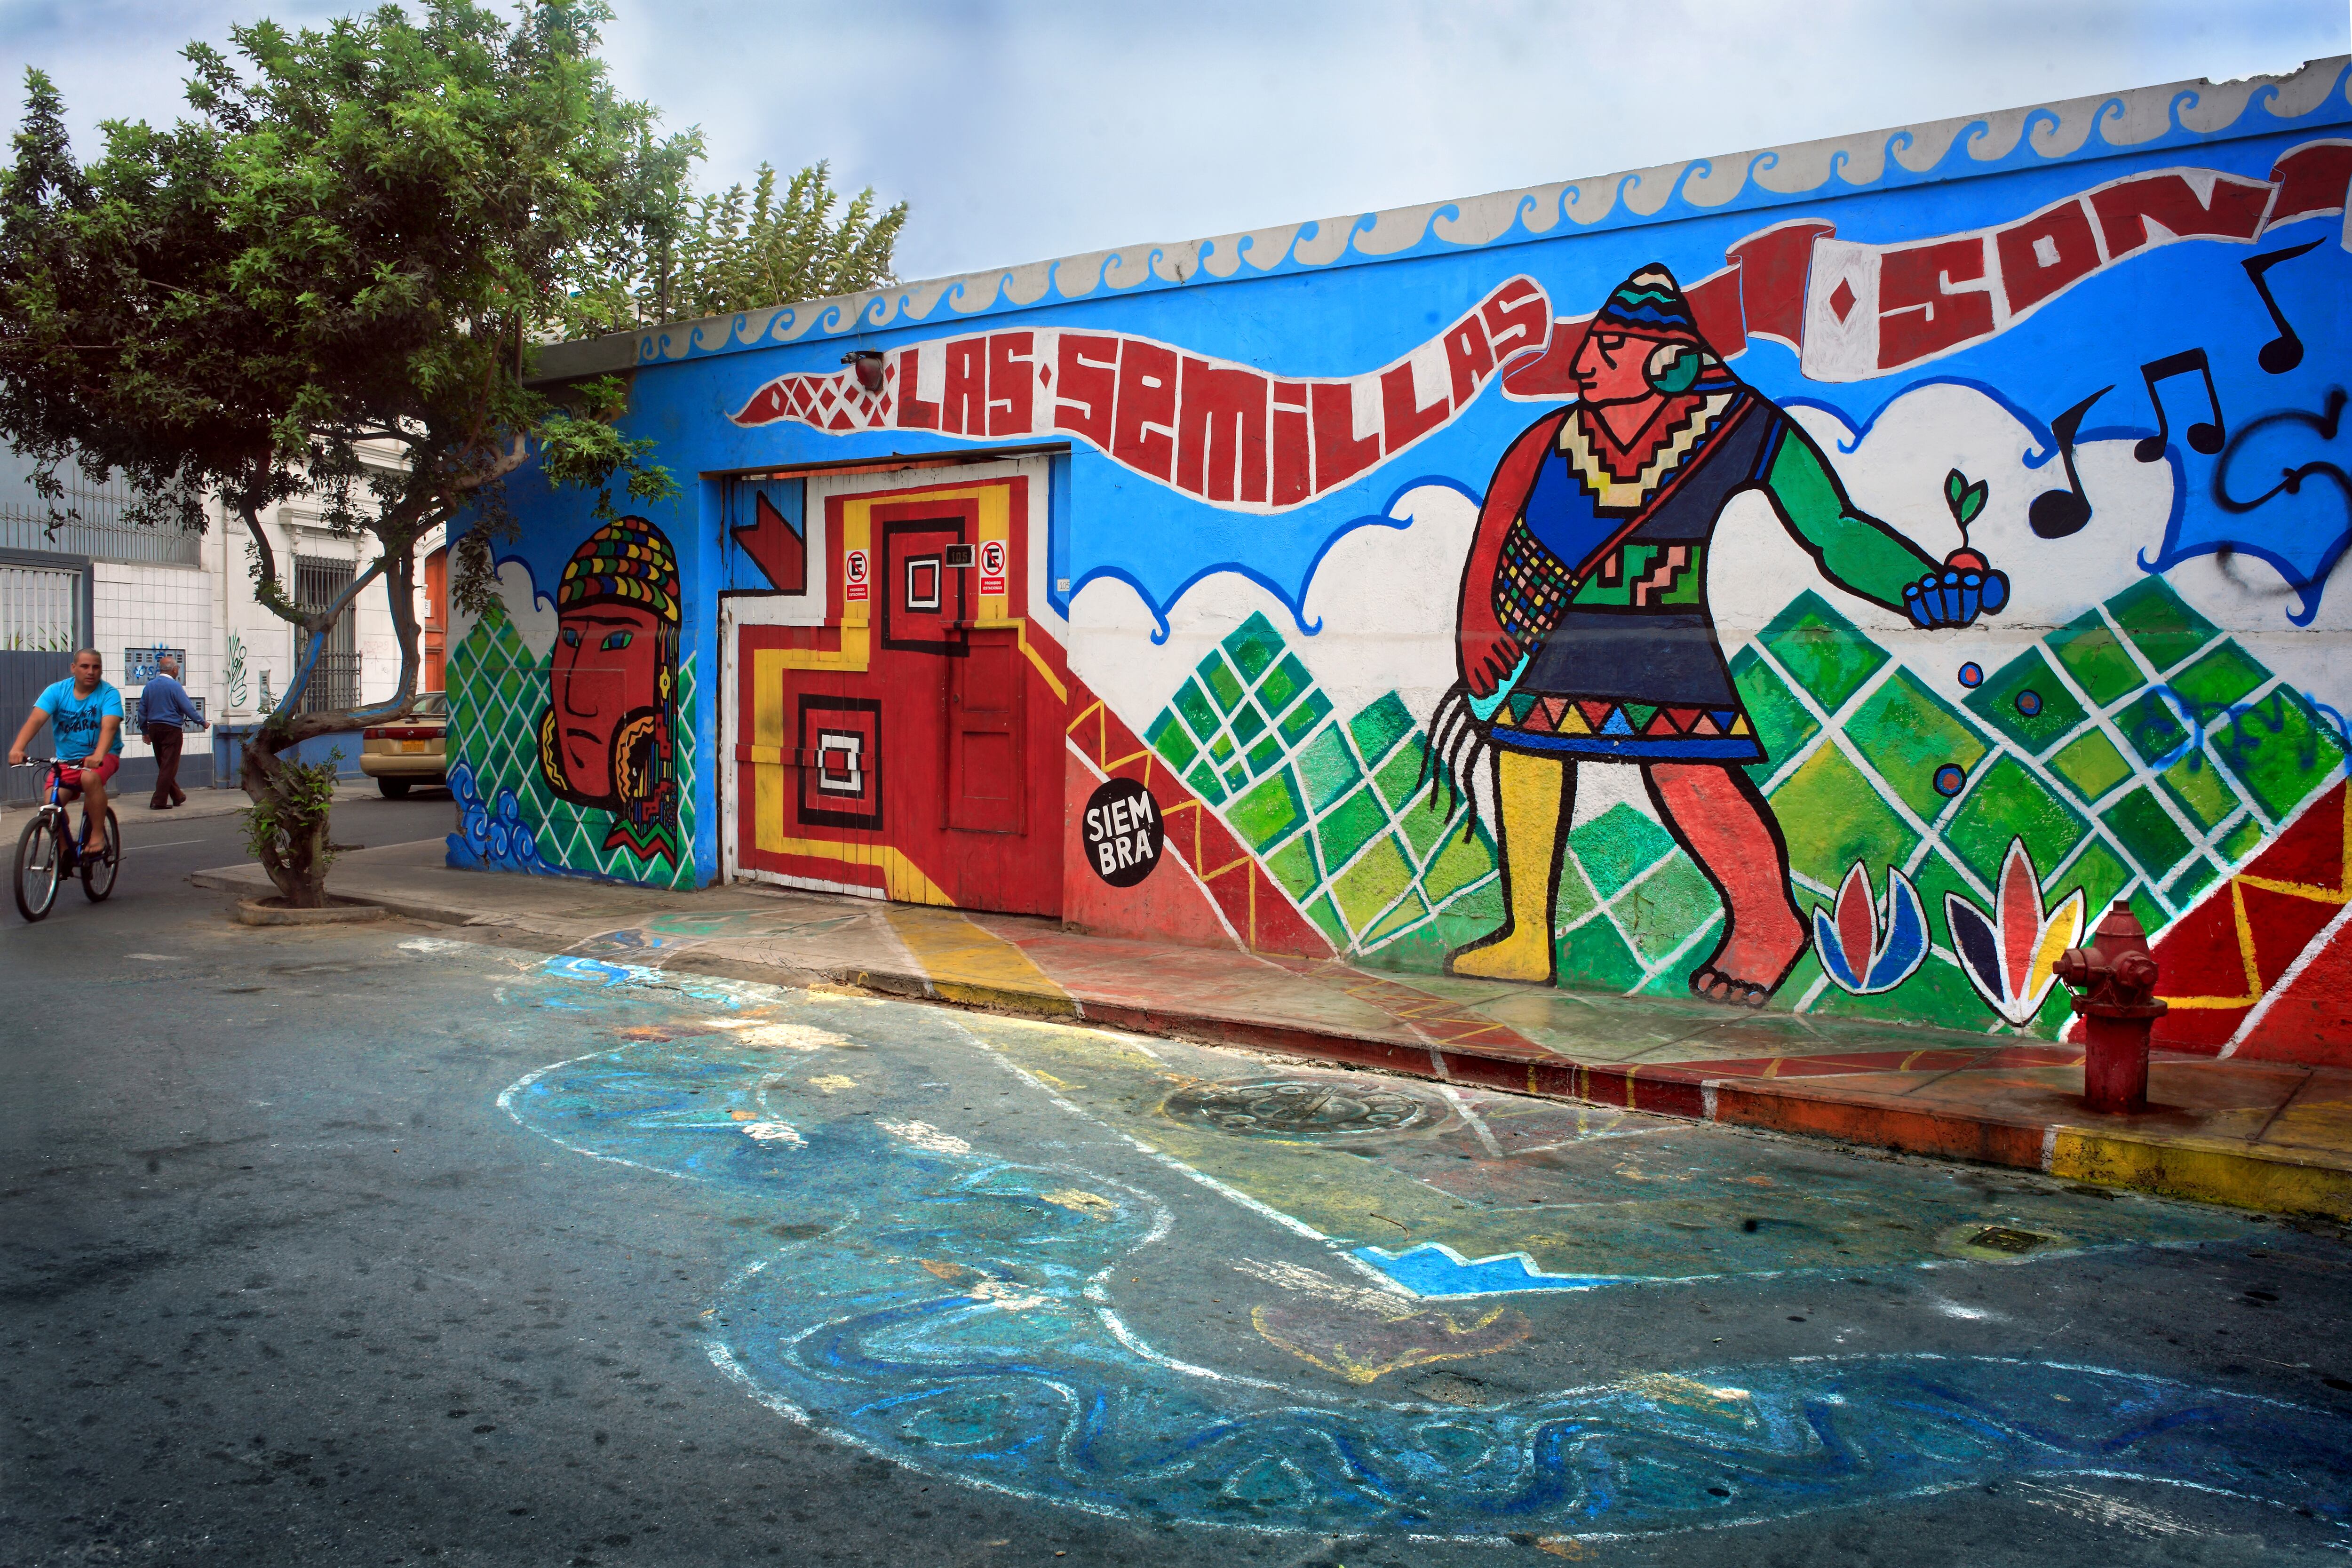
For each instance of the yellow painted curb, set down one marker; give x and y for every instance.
(964, 963)
(2203, 1169)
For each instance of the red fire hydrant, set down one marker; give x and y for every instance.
(2114, 981)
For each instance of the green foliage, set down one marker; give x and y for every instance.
(329, 280)
(719, 253)
(741, 253)
(1966, 499)
(293, 817)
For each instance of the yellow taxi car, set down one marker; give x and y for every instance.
(398, 756)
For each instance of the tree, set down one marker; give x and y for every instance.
(736, 250)
(330, 282)
(741, 255)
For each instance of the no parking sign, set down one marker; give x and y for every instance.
(991, 567)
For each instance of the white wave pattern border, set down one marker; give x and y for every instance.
(2176, 113)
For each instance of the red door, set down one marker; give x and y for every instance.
(436, 618)
(912, 744)
(986, 697)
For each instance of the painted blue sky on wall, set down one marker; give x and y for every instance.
(2227, 403)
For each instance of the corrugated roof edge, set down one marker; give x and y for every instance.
(2075, 130)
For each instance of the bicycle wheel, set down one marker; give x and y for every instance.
(97, 872)
(35, 879)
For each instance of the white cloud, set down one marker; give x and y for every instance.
(532, 612)
(1051, 127)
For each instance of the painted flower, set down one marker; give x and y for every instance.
(2010, 955)
(1865, 948)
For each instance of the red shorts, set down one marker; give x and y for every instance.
(71, 777)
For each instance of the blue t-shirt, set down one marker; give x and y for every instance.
(75, 721)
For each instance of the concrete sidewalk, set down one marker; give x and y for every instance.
(131, 809)
(2264, 1135)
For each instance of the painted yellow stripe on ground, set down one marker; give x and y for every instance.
(965, 964)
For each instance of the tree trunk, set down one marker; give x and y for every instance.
(295, 854)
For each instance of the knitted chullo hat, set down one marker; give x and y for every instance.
(1651, 302)
(628, 561)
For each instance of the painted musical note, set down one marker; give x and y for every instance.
(2055, 514)
(2284, 351)
(2202, 438)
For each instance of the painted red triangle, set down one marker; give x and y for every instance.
(2282, 926)
(770, 542)
(2311, 1022)
(2311, 850)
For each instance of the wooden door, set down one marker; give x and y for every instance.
(912, 746)
(436, 618)
(985, 735)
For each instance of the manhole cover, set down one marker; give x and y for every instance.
(1297, 1108)
(2001, 1238)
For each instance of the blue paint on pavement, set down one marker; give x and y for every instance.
(957, 1309)
(1434, 1268)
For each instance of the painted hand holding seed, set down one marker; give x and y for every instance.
(1966, 588)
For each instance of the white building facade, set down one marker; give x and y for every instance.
(133, 593)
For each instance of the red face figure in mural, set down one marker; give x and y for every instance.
(609, 735)
(606, 657)
(1585, 634)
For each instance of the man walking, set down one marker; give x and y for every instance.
(84, 715)
(165, 715)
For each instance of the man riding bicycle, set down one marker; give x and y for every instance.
(86, 714)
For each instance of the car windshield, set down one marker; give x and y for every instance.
(432, 705)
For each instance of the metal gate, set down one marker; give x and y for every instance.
(40, 628)
(335, 682)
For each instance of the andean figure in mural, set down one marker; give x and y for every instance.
(609, 736)
(1584, 631)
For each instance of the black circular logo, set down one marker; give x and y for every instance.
(1124, 833)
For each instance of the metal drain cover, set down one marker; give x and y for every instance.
(2003, 1238)
(1297, 1108)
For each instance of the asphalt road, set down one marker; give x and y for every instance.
(370, 1245)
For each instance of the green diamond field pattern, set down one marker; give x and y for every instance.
(1335, 806)
(2138, 752)
(498, 689)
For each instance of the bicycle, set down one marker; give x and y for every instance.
(46, 851)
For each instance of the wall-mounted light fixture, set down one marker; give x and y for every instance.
(868, 363)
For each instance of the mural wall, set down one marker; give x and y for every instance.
(573, 730)
(1822, 579)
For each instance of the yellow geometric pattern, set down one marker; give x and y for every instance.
(2258, 984)
(766, 751)
(903, 881)
(1613, 491)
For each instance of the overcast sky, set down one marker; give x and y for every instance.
(1030, 130)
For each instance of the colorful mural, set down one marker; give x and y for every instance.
(609, 736)
(1854, 680)
(613, 796)
(1585, 634)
